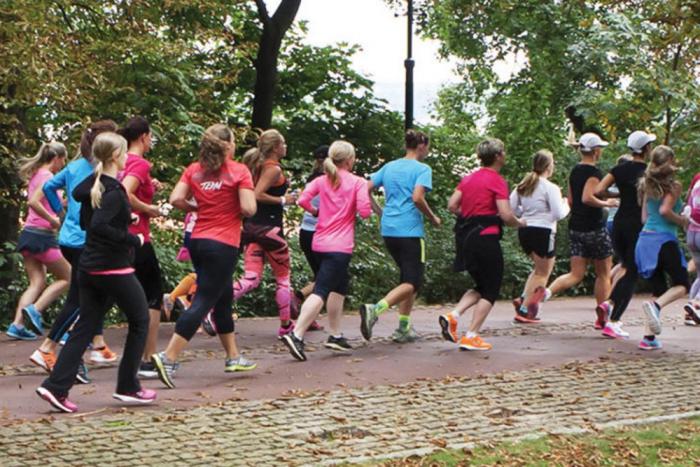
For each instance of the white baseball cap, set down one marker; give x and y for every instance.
(589, 141)
(637, 140)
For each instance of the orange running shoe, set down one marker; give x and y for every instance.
(103, 355)
(474, 343)
(449, 327)
(45, 360)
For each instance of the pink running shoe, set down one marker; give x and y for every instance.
(144, 396)
(61, 403)
(282, 331)
(533, 308)
(602, 312)
(315, 326)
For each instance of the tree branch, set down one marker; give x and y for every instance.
(285, 14)
(262, 12)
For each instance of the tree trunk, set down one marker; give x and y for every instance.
(274, 29)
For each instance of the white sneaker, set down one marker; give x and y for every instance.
(653, 317)
(617, 327)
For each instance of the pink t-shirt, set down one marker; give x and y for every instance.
(335, 231)
(36, 182)
(480, 190)
(218, 206)
(140, 168)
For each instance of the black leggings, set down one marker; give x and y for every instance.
(70, 311)
(214, 263)
(624, 238)
(97, 294)
(670, 263)
(306, 238)
(487, 269)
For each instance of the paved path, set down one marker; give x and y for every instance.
(384, 400)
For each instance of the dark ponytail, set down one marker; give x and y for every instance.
(91, 132)
(134, 129)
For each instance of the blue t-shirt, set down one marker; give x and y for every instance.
(401, 217)
(71, 235)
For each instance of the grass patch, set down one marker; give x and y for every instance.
(671, 443)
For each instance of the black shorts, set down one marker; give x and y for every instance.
(595, 244)
(149, 275)
(409, 255)
(538, 240)
(333, 274)
(487, 266)
(306, 238)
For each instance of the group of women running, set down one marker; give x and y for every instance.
(101, 204)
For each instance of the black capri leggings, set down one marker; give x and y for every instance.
(214, 263)
(487, 268)
(97, 293)
(669, 262)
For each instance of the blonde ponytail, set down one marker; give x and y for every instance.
(97, 188)
(660, 175)
(331, 172)
(103, 151)
(254, 158)
(541, 162)
(47, 153)
(339, 153)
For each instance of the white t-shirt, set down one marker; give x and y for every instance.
(543, 208)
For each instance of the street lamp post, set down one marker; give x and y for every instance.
(409, 64)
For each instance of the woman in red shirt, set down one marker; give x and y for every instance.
(223, 191)
(481, 201)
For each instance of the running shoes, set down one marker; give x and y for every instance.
(45, 360)
(165, 368)
(533, 308)
(614, 330)
(82, 375)
(103, 355)
(474, 343)
(60, 402)
(22, 333)
(602, 312)
(650, 344)
(32, 319)
(208, 325)
(295, 346)
(147, 371)
(448, 325)
(367, 320)
(144, 396)
(239, 363)
(653, 317)
(692, 315)
(338, 344)
(404, 335)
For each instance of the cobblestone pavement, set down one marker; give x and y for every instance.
(355, 425)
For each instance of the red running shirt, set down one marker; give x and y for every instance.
(218, 206)
(480, 190)
(140, 169)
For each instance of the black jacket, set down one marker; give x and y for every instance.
(108, 245)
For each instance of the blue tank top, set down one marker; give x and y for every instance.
(656, 222)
